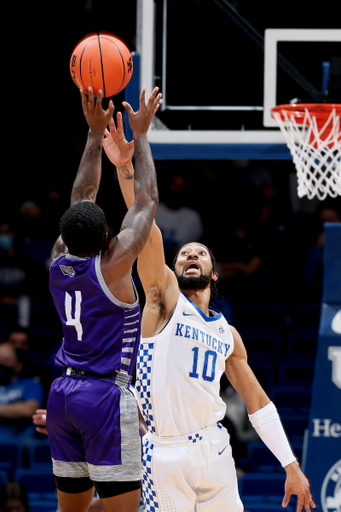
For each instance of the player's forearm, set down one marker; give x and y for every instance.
(126, 180)
(145, 183)
(125, 176)
(88, 177)
(268, 426)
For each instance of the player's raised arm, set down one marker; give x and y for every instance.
(86, 184)
(128, 244)
(155, 276)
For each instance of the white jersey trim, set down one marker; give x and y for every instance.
(213, 318)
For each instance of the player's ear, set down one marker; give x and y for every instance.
(214, 276)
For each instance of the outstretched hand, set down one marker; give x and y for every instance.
(97, 118)
(140, 121)
(297, 483)
(117, 148)
(39, 418)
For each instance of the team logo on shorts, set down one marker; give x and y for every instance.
(331, 489)
(67, 270)
(221, 329)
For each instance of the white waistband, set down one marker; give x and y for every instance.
(190, 438)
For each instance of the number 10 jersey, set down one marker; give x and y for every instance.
(179, 371)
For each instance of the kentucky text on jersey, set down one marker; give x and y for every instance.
(187, 331)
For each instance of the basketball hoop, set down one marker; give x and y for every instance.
(313, 135)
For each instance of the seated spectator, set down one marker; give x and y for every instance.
(19, 396)
(21, 340)
(33, 238)
(19, 337)
(13, 498)
(20, 276)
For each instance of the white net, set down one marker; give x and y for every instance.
(316, 153)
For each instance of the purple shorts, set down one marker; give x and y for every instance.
(93, 429)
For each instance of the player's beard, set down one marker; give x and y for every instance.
(193, 282)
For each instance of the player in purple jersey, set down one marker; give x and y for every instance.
(92, 415)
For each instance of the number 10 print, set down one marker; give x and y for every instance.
(208, 372)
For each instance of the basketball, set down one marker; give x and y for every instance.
(101, 61)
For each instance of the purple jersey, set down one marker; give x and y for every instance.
(101, 333)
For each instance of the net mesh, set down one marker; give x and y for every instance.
(316, 151)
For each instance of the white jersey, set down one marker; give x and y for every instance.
(179, 370)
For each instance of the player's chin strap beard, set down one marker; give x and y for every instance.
(193, 282)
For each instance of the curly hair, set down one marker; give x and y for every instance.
(83, 227)
(214, 284)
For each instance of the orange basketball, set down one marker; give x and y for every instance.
(101, 61)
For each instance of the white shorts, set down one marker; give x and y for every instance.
(194, 473)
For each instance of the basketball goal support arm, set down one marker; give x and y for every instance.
(316, 95)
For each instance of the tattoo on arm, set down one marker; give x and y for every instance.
(126, 172)
(88, 177)
(138, 221)
(145, 176)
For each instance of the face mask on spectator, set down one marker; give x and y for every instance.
(6, 374)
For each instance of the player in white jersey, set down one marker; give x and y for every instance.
(185, 348)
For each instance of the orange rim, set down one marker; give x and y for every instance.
(321, 111)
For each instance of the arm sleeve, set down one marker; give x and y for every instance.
(268, 426)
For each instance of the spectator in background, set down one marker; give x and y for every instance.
(19, 337)
(21, 340)
(177, 222)
(13, 498)
(240, 257)
(19, 396)
(33, 237)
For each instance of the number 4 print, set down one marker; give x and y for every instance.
(76, 321)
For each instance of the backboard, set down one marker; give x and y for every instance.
(222, 66)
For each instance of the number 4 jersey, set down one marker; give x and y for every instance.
(179, 371)
(101, 333)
